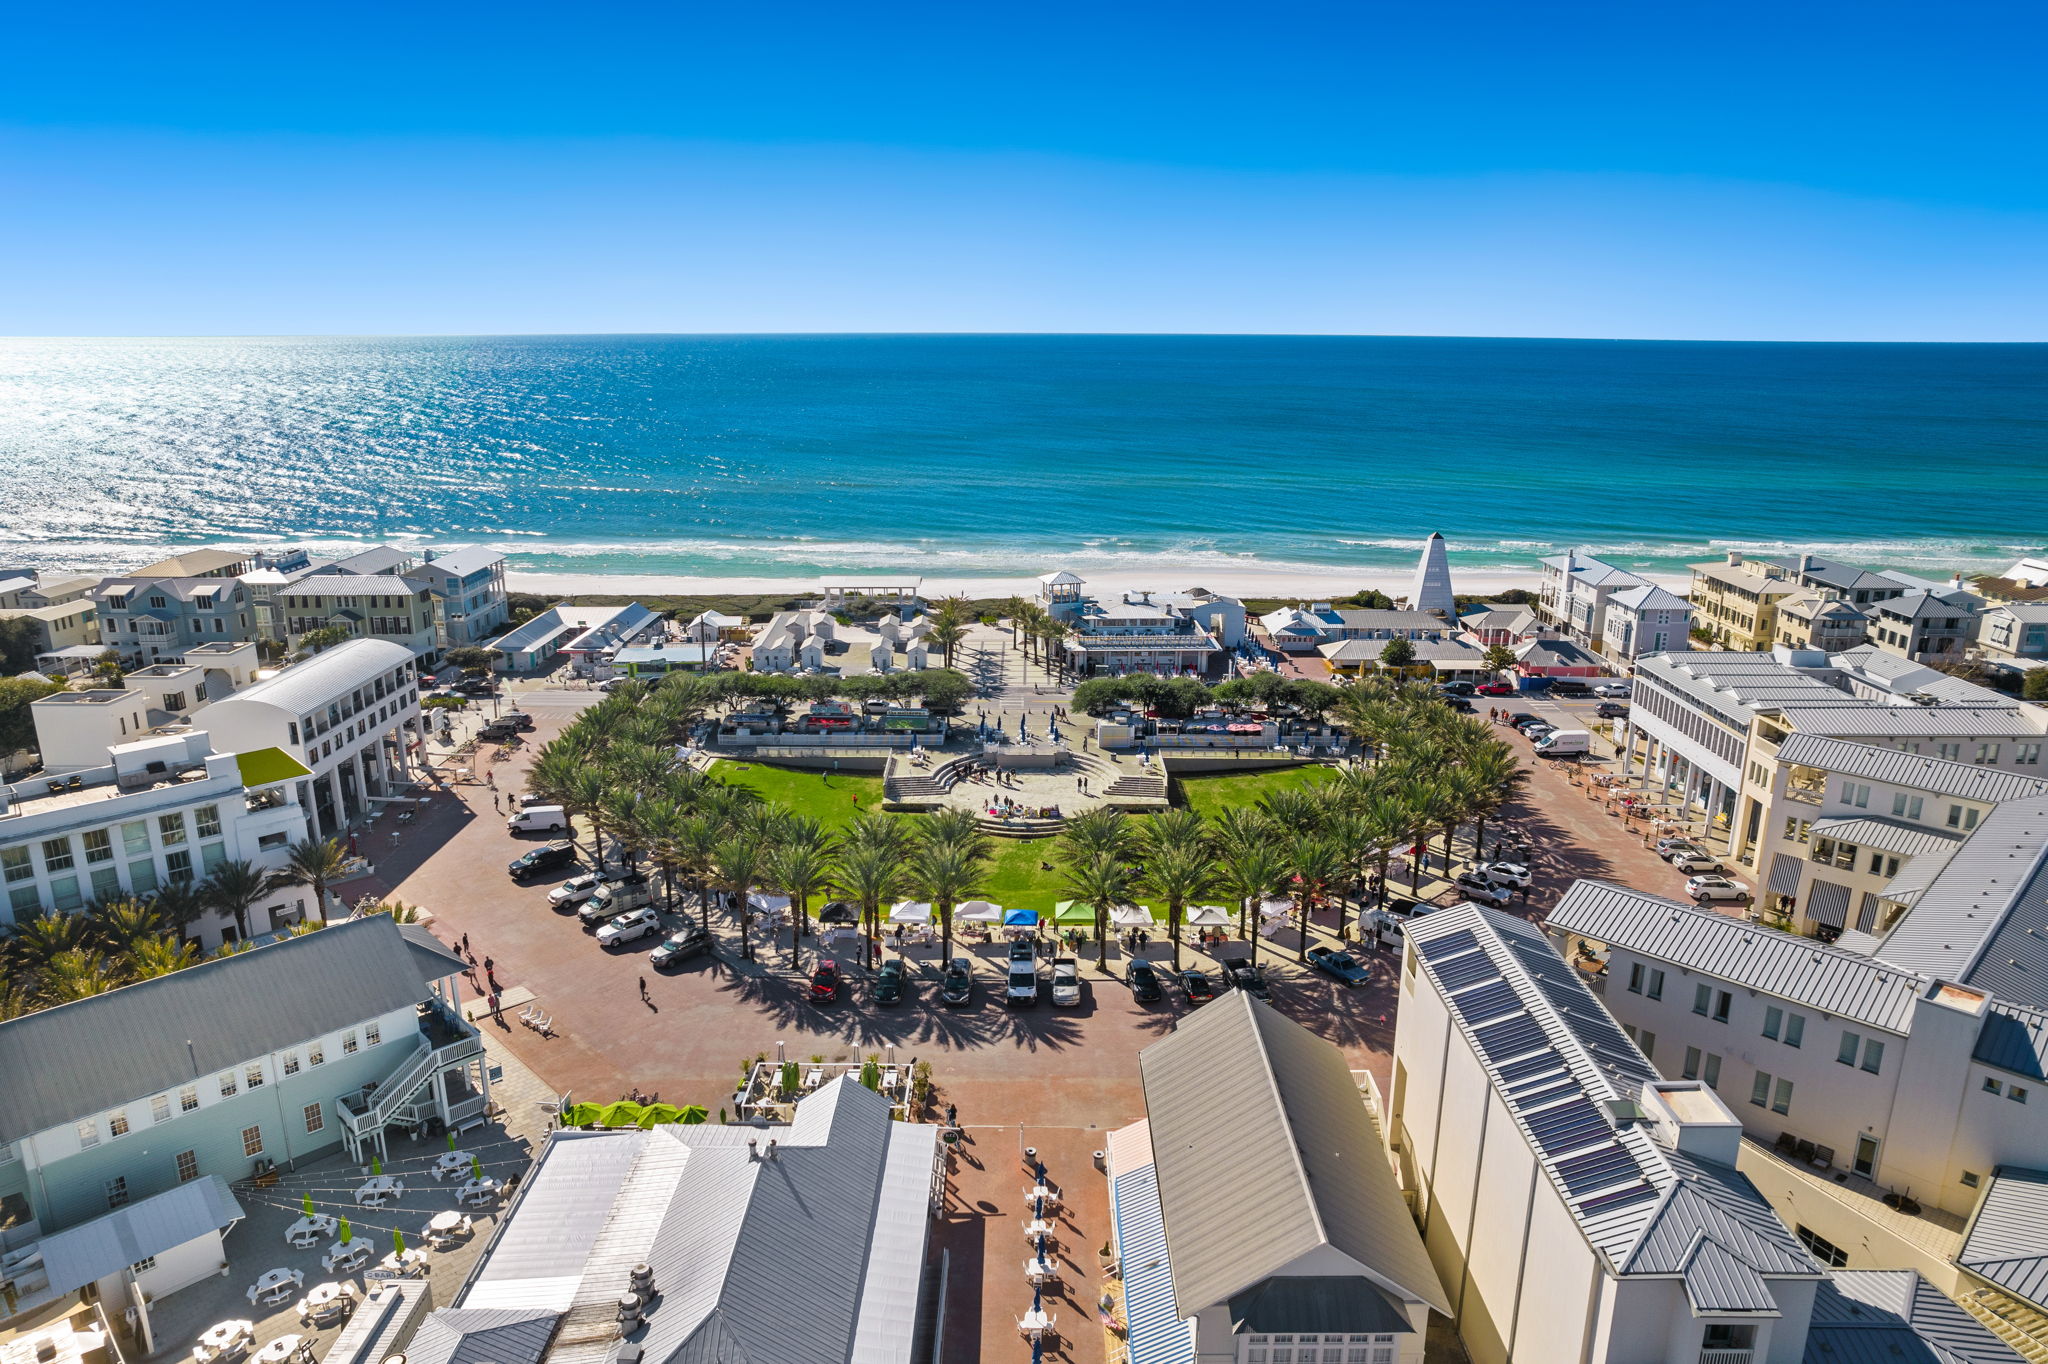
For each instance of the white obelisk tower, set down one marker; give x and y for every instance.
(1432, 590)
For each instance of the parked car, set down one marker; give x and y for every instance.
(1197, 986)
(614, 898)
(1565, 743)
(562, 854)
(1399, 907)
(575, 890)
(1690, 859)
(538, 819)
(956, 986)
(1717, 888)
(516, 717)
(1020, 991)
(611, 684)
(1456, 689)
(1240, 974)
(1611, 710)
(477, 686)
(1620, 689)
(892, 982)
(1523, 717)
(1338, 964)
(1683, 848)
(1144, 981)
(1476, 887)
(825, 982)
(1569, 686)
(1385, 929)
(679, 946)
(1024, 949)
(630, 926)
(1508, 874)
(497, 731)
(1670, 842)
(1066, 982)
(1495, 689)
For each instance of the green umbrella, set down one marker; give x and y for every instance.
(624, 1113)
(693, 1114)
(376, 1166)
(451, 1141)
(476, 1168)
(788, 1080)
(397, 1241)
(871, 1074)
(307, 1203)
(581, 1115)
(347, 1232)
(660, 1113)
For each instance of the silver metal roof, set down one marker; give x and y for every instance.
(1643, 1206)
(106, 1245)
(1892, 835)
(329, 674)
(482, 1335)
(1967, 781)
(1802, 970)
(1911, 721)
(155, 1035)
(1984, 919)
(2007, 1240)
(1894, 1316)
(1303, 1167)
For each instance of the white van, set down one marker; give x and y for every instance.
(1565, 743)
(537, 819)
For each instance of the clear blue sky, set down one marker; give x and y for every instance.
(1806, 171)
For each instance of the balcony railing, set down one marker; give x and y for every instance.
(1725, 1356)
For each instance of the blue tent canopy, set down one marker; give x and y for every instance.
(1020, 918)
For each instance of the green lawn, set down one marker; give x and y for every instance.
(1209, 796)
(1015, 877)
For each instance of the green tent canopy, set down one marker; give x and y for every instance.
(1073, 912)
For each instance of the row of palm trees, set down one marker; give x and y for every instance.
(1035, 630)
(52, 957)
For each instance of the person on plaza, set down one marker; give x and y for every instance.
(488, 964)
(643, 987)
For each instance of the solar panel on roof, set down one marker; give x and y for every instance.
(1550, 1095)
(1510, 1037)
(1515, 1071)
(1461, 972)
(1449, 945)
(1620, 1198)
(1566, 1127)
(1487, 1002)
(1596, 1169)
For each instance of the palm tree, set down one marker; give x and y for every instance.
(1490, 773)
(1171, 829)
(75, 973)
(180, 904)
(313, 862)
(661, 826)
(1316, 865)
(800, 865)
(1179, 872)
(1240, 827)
(1101, 880)
(235, 888)
(120, 924)
(736, 866)
(946, 873)
(871, 875)
(37, 941)
(949, 625)
(149, 958)
(1249, 873)
(586, 793)
(1294, 810)
(1098, 831)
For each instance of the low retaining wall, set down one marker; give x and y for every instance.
(875, 760)
(1198, 764)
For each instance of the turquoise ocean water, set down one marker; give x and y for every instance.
(972, 456)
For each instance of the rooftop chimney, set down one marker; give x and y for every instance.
(1687, 1116)
(1805, 564)
(753, 1149)
(1734, 557)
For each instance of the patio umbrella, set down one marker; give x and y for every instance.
(1275, 907)
(306, 1202)
(397, 1241)
(871, 1075)
(1073, 912)
(979, 912)
(839, 912)
(693, 1114)
(376, 1166)
(660, 1113)
(581, 1115)
(1208, 916)
(451, 1141)
(345, 1231)
(910, 912)
(1020, 918)
(476, 1168)
(624, 1113)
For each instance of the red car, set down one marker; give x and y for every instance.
(1495, 689)
(825, 982)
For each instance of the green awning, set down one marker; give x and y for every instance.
(269, 766)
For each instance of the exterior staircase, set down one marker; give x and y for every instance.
(1135, 787)
(2012, 1321)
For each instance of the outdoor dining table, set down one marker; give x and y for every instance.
(276, 1285)
(1035, 1322)
(1040, 1226)
(346, 1254)
(450, 1163)
(226, 1337)
(477, 1191)
(284, 1348)
(1040, 1269)
(307, 1230)
(377, 1188)
(406, 1263)
(1042, 1195)
(326, 1302)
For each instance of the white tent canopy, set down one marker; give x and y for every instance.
(910, 912)
(1131, 916)
(979, 912)
(1275, 907)
(1209, 916)
(762, 902)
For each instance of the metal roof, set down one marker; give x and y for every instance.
(482, 1335)
(2014, 1039)
(1718, 1284)
(1157, 1332)
(1895, 767)
(327, 675)
(805, 1247)
(1894, 1316)
(1892, 835)
(106, 1245)
(1303, 1167)
(2007, 1240)
(154, 1035)
(1802, 970)
(1984, 919)
(1912, 720)
(1555, 1057)
(463, 562)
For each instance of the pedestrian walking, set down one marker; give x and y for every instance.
(643, 987)
(494, 1004)
(491, 780)
(465, 944)
(488, 964)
